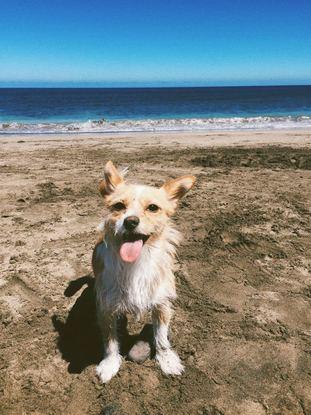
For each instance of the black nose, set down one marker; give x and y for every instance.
(131, 222)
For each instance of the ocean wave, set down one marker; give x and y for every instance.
(186, 124)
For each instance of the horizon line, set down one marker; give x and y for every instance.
(138, 84)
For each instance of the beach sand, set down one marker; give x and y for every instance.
(242, 324)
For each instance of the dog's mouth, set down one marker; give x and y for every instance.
(134, 236)
(131, 246)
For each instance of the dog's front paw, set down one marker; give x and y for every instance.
(169, 362)
(108, 367)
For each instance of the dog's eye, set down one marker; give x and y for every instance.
(153, 208)
(118, 206)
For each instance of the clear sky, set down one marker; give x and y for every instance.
(149, 42)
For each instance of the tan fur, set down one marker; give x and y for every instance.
(112, 179)
(177, 188)
(149, 282)
(162, 314)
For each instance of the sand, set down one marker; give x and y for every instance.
(242, 323)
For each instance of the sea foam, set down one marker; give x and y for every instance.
(184, 124)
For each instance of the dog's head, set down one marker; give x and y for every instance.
(138, 214)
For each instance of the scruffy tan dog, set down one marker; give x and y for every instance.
(134, 261)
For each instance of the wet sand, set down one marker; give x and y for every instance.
(242, 323)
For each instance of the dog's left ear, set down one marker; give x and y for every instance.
(177, 188)
(112, 179)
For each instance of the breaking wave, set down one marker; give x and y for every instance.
(186, 124)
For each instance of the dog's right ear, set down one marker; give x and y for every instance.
(112, 178)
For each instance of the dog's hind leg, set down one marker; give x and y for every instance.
(165, 356)
(111, 362)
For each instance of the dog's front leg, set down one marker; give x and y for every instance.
(111, 362)
(165, 356)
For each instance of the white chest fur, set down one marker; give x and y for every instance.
(134, 287)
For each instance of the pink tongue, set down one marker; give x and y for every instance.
(130, 251)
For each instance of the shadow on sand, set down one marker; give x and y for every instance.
(79, 339)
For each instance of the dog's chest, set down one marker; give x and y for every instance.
(139, 286)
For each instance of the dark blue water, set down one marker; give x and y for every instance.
(80, 109)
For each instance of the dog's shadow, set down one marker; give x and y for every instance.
(79, 339)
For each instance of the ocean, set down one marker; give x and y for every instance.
(86, 110)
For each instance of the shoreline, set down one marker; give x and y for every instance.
(187, 123)
(173, 131)
(290, 137)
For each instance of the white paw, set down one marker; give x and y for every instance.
(108, 367)
(169, 362)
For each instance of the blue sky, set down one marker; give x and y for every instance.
(144, 42)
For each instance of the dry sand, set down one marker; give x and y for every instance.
(243, 320)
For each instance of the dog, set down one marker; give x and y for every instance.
(133, 263)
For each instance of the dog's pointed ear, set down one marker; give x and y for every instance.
(177, 188)
(112, 178)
